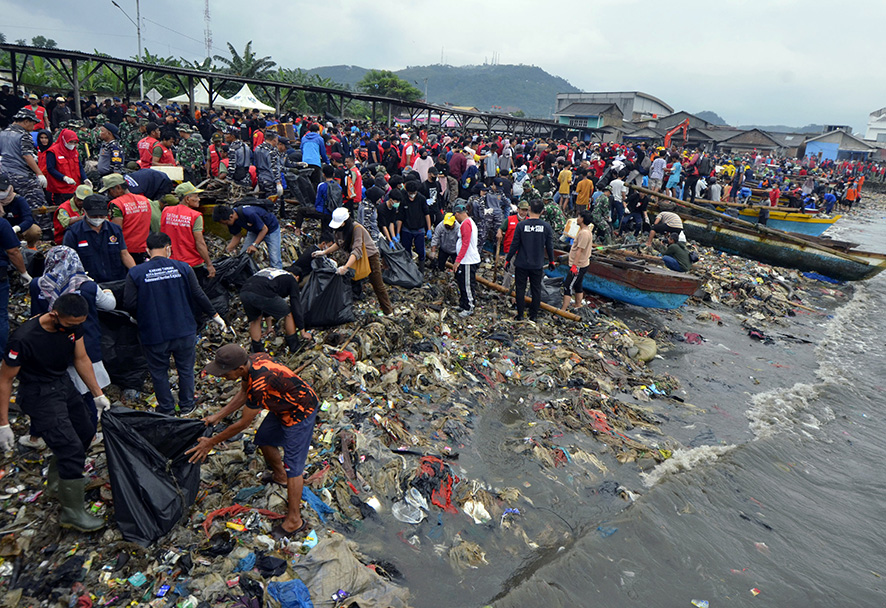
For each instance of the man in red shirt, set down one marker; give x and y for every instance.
(132, 212)
(39, 110)
(184, 226)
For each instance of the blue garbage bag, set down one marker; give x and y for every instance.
(315, 503)
(291, 594)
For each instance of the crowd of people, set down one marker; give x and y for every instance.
(126, 236)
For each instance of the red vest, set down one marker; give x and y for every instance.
(177, 222)
(41, 117)
(67, 162)
(213, 160)
(59, 230)
(146, 151)
(136, 220)
(513, 220)
(167, 157)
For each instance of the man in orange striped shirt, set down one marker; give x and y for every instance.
(292, 410)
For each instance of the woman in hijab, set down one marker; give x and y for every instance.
(44, 141)
(351, 236)
(64, 274)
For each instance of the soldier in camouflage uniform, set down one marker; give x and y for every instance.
(83, 139)
(541, 182)
(269, 166)
(95, 140)
(600, 214)
(130, 146)
(20, 164)
(553, 215)
(190, 154)
(126, 127)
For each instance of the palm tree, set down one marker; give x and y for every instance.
(246, 65)
(202, 66)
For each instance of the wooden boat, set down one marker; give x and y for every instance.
(770, 247)
(800, 223)
(633, 283)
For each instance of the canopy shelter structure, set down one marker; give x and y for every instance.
(244, 99)
(201, 97)
(76, 67)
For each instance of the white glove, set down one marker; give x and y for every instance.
(220, 322)
(16, 229)
(26, 278)
(88, 182)
(41, 179)
(489, 212)
(68, 180)
(7, 438)
(279, 189)
(102, 404)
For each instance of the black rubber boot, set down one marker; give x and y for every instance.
(257, 346)
(73, 515)
(293, 342)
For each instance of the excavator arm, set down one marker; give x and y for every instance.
(684, 126)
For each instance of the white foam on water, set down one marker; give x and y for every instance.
(683, 460)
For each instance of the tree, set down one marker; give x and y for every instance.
(247, 64)
(21, 42)
(2, 38)
(43, 42)
(388, 84)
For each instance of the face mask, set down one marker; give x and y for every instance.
(70, 146)
(7, 195)
(396, 205)
(61, 328)
(412, 197)
(95, 221)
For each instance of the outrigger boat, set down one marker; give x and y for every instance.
(770, 246)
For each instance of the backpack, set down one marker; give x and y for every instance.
(704, 166)
(333, 196)
(645, 165)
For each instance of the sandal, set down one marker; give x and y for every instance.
(278, 532)
(268, 477)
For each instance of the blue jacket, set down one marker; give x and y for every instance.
(163, 294)
(18, 213)
(313, 149)
(253, 219)
(99, 251)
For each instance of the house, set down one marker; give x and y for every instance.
(876, 126)
(791, 143)
(838, 145)
(672, 120)
(589, 115)
(753, 140)
(634, 105)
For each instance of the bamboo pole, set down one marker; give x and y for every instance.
(507, 292)
(785, 236)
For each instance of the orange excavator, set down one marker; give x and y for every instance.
(684, 126)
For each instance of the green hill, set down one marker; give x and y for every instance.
(510, 87)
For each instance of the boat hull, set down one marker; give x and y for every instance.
(634, 284)
(799, 223)
(770, 249)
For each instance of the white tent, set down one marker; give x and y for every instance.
(201, 97)
(245, 99)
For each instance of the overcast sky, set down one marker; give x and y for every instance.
(751, 61)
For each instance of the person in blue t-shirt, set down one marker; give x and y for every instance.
(10, 253)
(261, 226)
(17, 212)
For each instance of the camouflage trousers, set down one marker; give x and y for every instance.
(28, 187)
(602, 233)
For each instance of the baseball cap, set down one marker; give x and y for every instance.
(32, 96)
(111, 180)
(60, 99)
(227, 358)
(25, 113)
(186, 188)
(523, 205)
(82, 192)
(96, 205)
(459, 206)
(4, 183)
(339, 217)
(449, 219)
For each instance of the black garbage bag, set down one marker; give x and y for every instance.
(326, 298)
(152, 482)
(552, 291)
(401, 270)
(121, 350)
(230, 274)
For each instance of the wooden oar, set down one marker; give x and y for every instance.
(785, 236)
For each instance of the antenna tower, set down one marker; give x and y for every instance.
(207, 33)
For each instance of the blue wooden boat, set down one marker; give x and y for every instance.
(637, 284)
(771, 248)
(809, 224)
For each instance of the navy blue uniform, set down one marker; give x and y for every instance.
(253, 219)
(18, 213)
(99, 251)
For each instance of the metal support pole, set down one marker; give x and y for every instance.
(191, 96)
(277, 99)
(389, 116)
(209, 90)
(138, 29)
(75, 82)
(373, 112)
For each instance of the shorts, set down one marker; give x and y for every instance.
(654, 183)
(665, 229)
(257, 306)
(572, 283)
(295, 440)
